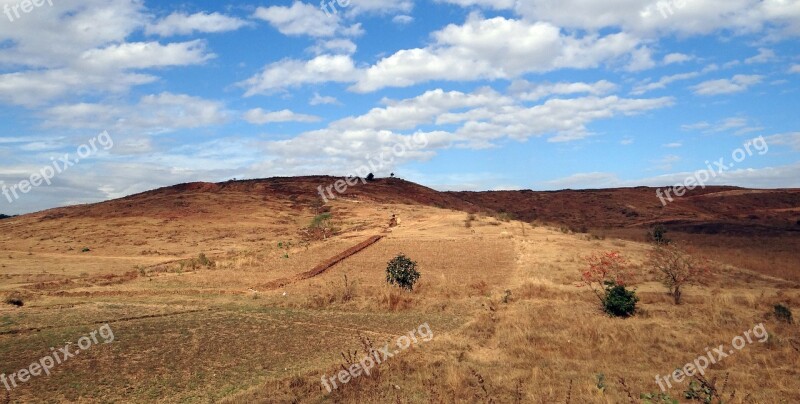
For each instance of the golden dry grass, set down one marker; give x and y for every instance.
(509, 323)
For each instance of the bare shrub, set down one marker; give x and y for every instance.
(676, 269)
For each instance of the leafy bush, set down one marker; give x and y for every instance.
(698, 392)
(619, 302)
(783, 313)
(402, 271)
(371, 177)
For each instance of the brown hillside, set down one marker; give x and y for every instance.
(758, 228)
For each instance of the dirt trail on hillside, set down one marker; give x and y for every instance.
(324, 266)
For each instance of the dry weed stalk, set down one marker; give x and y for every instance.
(482, 384)
(569, 392)
(711, 387)
(626, 389)
(519, 394)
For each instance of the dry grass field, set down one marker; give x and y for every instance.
(199, 284)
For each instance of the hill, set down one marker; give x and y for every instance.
(254, 291)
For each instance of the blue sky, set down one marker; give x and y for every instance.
(507, 94)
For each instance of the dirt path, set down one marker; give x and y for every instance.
(322, 267)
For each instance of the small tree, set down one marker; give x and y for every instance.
(659, 235)
(609, 268)
(402, 271)
(607, 275)
(676, 269)
(371, 177)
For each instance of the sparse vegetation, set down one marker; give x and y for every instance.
(504, 216)
(402, 271)
(335, 293)
(204, 261)
(371, 177)
(469, 220)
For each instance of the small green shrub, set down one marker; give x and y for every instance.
(85, 249)
(619, 301)
(402, 271)
(601, 382)
(321, 221)
(783, 313)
